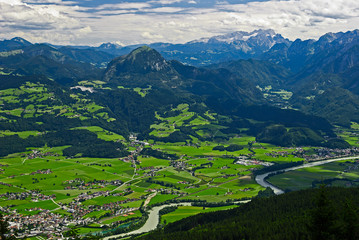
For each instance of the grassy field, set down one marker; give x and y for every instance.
(187, 211)
(304, 178)
(162, 198)
(121, 218)
(103, 134)
(37, 96)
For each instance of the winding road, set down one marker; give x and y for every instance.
(260, 179)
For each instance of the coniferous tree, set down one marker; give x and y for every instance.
(322, 224)
(350, 223)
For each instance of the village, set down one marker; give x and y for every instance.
(80, 184)
(325, 153)
(45, 222)
(53, 225)
(243, 160)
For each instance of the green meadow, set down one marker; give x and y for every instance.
(187, 211)
(304, 178)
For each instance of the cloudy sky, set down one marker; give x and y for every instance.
(91, 22)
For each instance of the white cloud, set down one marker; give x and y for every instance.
(165, 10)
(168, 2)
(151, 36)
(143, 22)
(295, 18)
(40, 22)
(124, 5)
(42, 1)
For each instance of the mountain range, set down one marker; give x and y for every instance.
(247, 71)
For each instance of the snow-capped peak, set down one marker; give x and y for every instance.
(111, 45)
(237, 36)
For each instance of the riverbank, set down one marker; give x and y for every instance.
(151, 223)
(260, 179)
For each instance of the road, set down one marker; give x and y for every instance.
(260, 179)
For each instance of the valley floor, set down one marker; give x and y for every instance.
(45, 194)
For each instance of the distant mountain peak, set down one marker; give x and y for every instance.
(20, 40)
(142, 60)
(142, 49)
(230, 38)
(147, 54)
(13, 44)
(109, 46)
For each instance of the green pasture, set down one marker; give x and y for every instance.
(24, 134)
(303, 178)
(142, 91)
(100, 201)
(187, 211)
(96, 214)
(162, 198)
(152, 162)
(135, 204)
(121, 217)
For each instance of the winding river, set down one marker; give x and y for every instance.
(260, 179)
(153, 217)
(152, 221)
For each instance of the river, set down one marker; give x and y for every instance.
(260, 179)
(151, 223)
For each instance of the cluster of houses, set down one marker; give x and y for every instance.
(78, 210)
(246, 189)
(80, 184)
(183, 182)
(278, 154)
(42, 171)
(146, 168)
(38, 154)
(324, 153)
(53, 225)
(125, 192)
(35, 196)
(320, 153)
(44, 223)
(244, 160)
(167, 191)
(87, 196)
(170, 191)
(149, 171)
(182, 165)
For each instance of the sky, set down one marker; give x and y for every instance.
(92, 22)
